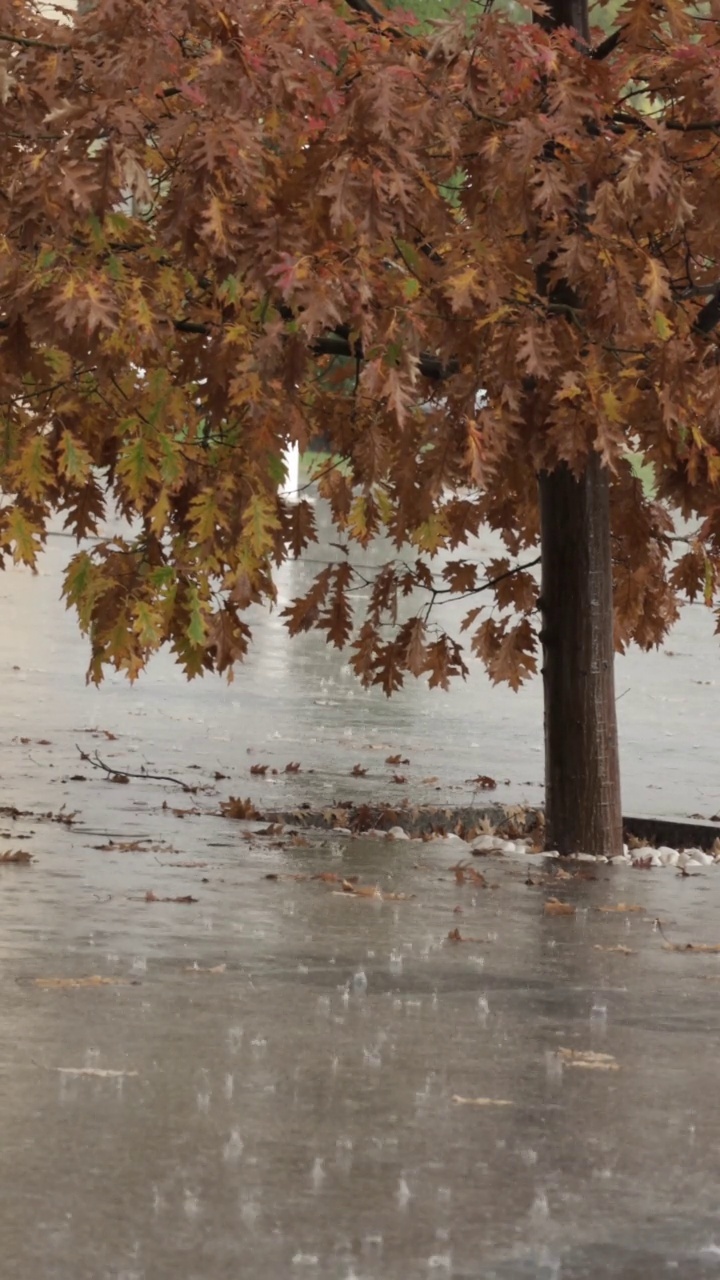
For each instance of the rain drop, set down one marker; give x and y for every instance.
(233, 1148)
(317, 1174)
(403, 1194)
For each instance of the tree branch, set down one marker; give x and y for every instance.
(606, 47)
(27, 43)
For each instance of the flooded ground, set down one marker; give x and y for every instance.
(279, 1078)
(284, 1079)
(298, 702)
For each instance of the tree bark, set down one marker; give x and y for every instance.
(582, 772)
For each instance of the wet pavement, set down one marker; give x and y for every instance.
(299, 702)
(283, 1078)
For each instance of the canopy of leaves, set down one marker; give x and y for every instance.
(212, 216)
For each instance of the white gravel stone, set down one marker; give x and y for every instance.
(485, 842)
(684, 859)
(645, 851)
(398, 833)
(650, 856)
(700, 857)
(668, 857)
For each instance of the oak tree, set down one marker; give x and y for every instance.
(481, 260)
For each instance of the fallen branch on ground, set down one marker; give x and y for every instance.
(97, 763)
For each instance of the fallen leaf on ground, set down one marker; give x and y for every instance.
(465, 874)
(484, 782)
(708, 948)
(350, 887)
(237, 808)
(456, 936)
(399, 778)
(188, 866)
(481, 1102)
(152, 897)
(259, 769)
(95, 980)
(398, 759)
(293, 767)
(131, 846)
(554, 907)
(119, 777)
(358, 771)
(588, 1059)
(195, 968)
(104, 1072)
(16, 855)
(275, 829)
(620, 907)
(623, 951)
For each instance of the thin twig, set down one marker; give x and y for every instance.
(97, 763)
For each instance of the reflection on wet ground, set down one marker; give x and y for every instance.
(283, 1079)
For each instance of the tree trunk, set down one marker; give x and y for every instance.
(582, 774)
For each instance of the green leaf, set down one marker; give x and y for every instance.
(259, 524)
(663, 327)
(136, 469)
(195, 630)
(146, 625)
(74, 460)
(23, 537)
(410, 288)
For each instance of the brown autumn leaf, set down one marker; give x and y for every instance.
(554, 907)
(397, 759)
(620, 908)
(350, 886)
(466, 874)
(236, 808)
(484, 782)
(706, 948)
(398, 778)
(292, 767)
(187, 866)
(120, 778)
(620, 949)
(186, 899)
(358, 771)
(16, 856)
(132, 846)
(259, 770)
(456, 936)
